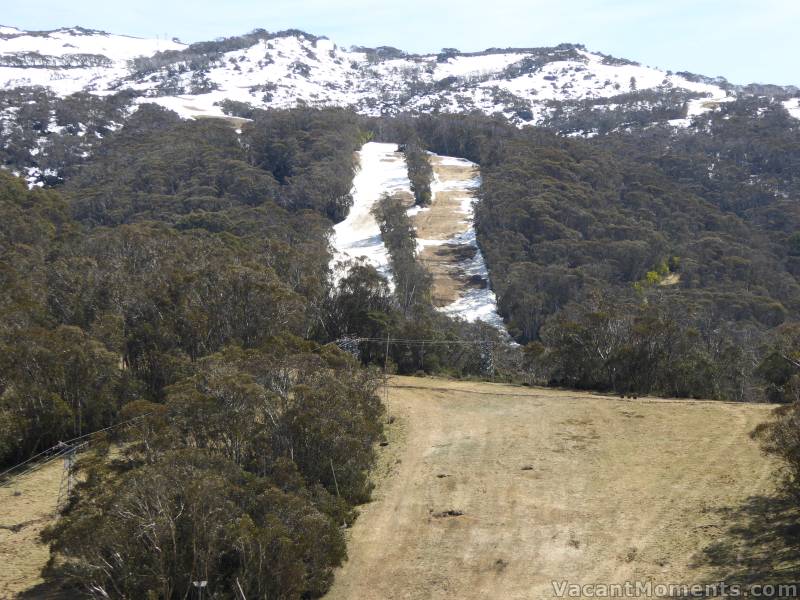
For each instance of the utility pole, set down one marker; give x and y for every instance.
(336, 485)
(241, 591)
(67, 479)
(386, 375)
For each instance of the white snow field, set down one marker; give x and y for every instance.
(793, 106)
(62, 42)
(61, 49)
(382, 170)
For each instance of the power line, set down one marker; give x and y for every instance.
(431, 342)
(59, 450)
(36, 466)
(108, 428)
(32, 458)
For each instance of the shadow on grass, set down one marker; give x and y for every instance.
(47, 591)
(760, 545)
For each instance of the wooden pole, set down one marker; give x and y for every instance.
(386, 375)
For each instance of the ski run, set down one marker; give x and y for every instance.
(382, 170)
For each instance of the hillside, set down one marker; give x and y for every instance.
(551, 485)
(284, 69)
(213, 255)
(63, 91)
(495, 491)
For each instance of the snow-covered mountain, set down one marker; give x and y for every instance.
(71, 60)
(533, 85)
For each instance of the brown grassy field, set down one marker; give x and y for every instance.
(25, 508)
(494, 491)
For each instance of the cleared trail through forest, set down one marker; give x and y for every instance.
(381, 170)
(448, 246)
(494, 491)
(446, 240)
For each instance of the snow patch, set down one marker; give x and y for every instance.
(465, 66)
(793, 106)
(382, 170)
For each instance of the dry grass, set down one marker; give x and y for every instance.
(449, 280)
(493, 491)
(26, 507)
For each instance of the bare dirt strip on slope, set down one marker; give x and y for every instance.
(494, 491)
(441, 223)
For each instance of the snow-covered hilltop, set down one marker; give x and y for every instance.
(71, 60)
(289, 68)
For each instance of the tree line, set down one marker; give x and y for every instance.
(420, 172)
(412, 281)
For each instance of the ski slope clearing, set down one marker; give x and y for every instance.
(446, 242)
(448, 246)
(382, 170)
(493, 491)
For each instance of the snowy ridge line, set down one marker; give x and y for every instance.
(61, 43)
(382, 170)
(291, 70)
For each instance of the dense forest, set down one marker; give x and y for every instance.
(173, 280)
